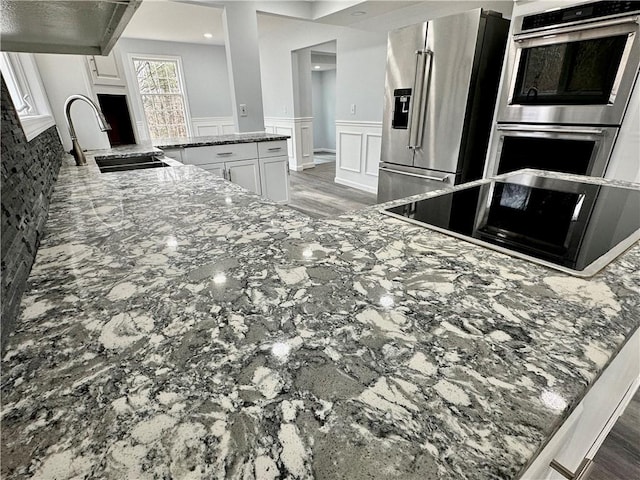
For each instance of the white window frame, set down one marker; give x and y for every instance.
(132, 71)
(23, 80)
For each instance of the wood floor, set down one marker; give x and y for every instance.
(619, 455)
(314, 192)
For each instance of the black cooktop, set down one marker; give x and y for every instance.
(577, 227)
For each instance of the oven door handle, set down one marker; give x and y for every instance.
(575, 28)
(581, 131)
(409, 174)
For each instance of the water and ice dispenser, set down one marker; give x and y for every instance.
(402, 101)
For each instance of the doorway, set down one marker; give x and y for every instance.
(323, 93)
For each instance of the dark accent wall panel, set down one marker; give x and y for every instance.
(29, 172)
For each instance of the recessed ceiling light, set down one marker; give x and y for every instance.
(208, 35)
(317, 67)
(358, 13)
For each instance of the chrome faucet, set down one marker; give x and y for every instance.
(76, 151)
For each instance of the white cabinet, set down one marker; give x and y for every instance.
(245, 173)
(274, 170)
(274, 174)
(579, 438)
(175, 153)
(105, 70)
(260, 167)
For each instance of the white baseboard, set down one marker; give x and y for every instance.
(324, 150)
(302, 167)
(359, 186)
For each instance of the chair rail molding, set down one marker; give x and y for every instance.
(358, 146)
(300, 145)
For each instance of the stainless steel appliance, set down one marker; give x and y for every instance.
(575, 227)
(577, 149)
(441, 87)
(573, 66)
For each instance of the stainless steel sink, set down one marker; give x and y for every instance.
(107, 165)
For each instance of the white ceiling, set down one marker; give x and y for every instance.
(188, 20)
(176, 22)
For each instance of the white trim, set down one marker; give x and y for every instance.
(350, 123)
(324, 150)
(136, 93)
(288, 119)
(359, 186)
(35, 125)
(24, 72)
(304, 166)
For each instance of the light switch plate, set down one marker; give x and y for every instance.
(243, 110)
(353, 109)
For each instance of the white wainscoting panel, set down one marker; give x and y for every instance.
(358, 154)
(300, 143)
(307, 143)
(372, 148)
(203, 126)
(350, 148)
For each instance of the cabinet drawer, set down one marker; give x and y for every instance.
(220, 153)
(272, 149)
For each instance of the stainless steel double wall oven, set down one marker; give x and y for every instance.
(568, 79)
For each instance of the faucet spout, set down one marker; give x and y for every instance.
(76, 151)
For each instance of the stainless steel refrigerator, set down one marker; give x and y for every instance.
(441, 86)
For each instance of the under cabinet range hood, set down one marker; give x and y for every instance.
(74, 27)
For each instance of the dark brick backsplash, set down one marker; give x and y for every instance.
(29, 173)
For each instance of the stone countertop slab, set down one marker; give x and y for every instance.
(177, 326)
(126, 151)
(180, 142)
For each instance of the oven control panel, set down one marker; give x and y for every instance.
(587, 11)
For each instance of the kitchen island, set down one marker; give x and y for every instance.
(177, 326)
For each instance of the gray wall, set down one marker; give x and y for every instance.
(29, 172)
(324, 109)
(205, 70)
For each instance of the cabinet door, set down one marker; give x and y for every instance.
(105, 70)
(245, 173)
(275, 178)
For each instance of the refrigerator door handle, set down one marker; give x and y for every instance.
(409, 174)
(421, 84)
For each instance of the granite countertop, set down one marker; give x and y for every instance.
(126, 151)
(176, 326)
(179, 142)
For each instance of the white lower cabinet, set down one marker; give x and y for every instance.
(175, 153)
(570, 451)
(245, 173)
(274, 174)
(259, 167)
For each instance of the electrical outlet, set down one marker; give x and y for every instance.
(243, 110)
(353, 109)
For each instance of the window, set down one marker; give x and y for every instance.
(162, 95)
(22, 77)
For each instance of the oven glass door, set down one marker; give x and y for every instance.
(575, 150)
(569, 73)
(577, 75)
